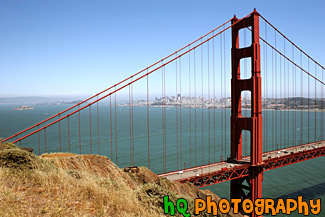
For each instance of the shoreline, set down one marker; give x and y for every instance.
(184, 106)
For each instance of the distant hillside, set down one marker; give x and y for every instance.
(66, 184)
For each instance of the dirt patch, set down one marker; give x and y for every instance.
(52, 155)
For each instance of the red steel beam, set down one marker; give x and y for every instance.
(286, 160)
(242, 171)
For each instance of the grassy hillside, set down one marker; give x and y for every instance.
(66, 184)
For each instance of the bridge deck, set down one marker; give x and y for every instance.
(224, 171)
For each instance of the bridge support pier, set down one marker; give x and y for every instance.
(253, 123)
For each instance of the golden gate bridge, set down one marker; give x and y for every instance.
(246, 100)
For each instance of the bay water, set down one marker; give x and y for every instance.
(205, 142)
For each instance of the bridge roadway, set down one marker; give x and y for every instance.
(224, 171)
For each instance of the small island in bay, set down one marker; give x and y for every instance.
(23, 107)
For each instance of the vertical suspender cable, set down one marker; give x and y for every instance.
(209, 99)
(79, 131)
(163, 116)
(322, 123)
(165, 133)
(130, 128)
(224, 70)
(265, 93)
(59, 133)
(177, 112)
(190, 101)
(39, 143)
(222, 99)
(295, 100)
(132, 141)
(195, 108)
(285, 99)
(116, 160)
(111, 125)
(280, 99)
(202, 104)
(90, 137)
(315, 104)
(214, 103)
(308, 102)
(295, 94)
(68, 133)
(98, 126)
(180, 109)
(45, 139)
(276, 94)
(148, 121)
(301, 102)
(273, 100)
(295, 110)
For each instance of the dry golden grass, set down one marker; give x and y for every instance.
(80, 185)
(59, 192)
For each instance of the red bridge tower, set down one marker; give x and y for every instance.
(253, 123)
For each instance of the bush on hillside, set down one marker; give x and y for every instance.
(7, 145)
(16, 158)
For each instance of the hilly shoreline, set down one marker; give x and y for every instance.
(65, 184)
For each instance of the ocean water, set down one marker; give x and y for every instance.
(193, 144)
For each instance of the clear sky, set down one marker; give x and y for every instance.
(77, 47)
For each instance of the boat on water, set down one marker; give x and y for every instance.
(23, 107)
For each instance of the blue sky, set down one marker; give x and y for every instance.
(65, 48)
